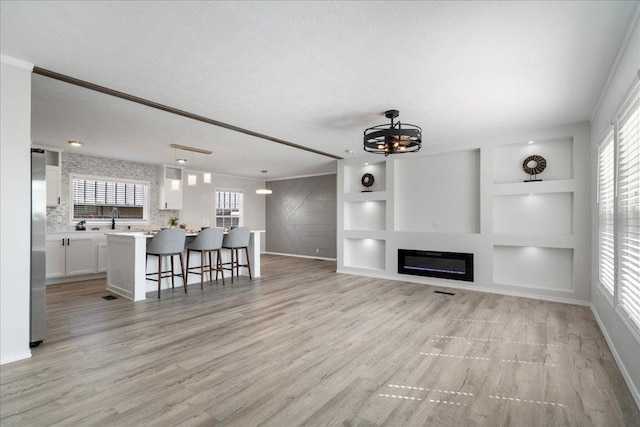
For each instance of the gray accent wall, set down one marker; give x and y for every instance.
(301, 216)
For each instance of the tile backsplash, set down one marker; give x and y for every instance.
(96, 166)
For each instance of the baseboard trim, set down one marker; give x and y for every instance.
(616, 357)
(300, 256)
(15, 357)
(71, 279)
(381, 275)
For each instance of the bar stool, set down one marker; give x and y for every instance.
(237, 238)
(206, 242)
(167, 242)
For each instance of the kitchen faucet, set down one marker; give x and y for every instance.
(115, 213)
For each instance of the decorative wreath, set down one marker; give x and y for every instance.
(367, 180)
(541, 164)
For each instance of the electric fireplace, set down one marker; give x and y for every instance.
(445, 265)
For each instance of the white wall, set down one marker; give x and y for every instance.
(624, 345)
(199, 201)
(15, 215)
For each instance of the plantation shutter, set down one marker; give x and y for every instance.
(107, 193)
(606, 199)
(628, 200)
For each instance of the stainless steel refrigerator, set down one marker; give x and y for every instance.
(38, 258)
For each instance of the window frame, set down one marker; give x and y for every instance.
(608, 138)
(632, 98)
(240, 206)
(102, 221)
(628, 109)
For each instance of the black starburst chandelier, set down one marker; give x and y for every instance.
(396, 138)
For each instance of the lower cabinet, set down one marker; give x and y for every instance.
(56, 255)
(74, 255)
(81, 256)
(102, 256)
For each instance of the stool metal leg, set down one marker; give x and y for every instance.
(186, 278)
(172, 274)
(210, 267)
(220, 267)
(246, 251)
(159, 273)
(203, 257)
(184, 282)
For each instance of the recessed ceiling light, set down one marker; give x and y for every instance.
(366, 164)
(181, 160)
(530, 142)
(75, 143)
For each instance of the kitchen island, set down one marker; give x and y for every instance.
(127, 266)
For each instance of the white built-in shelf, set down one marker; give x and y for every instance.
(365, 234)
(537, 187)
(536, 214)
(541, 241)
(533, 267)
(508, 159)
(365, 196)
(353, 175)
(367, 253)
(367, 215)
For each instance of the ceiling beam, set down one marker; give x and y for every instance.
(132, 98)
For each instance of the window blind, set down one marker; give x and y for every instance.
(95, 199)
(109, 193)
(606, 200)
(628, 208)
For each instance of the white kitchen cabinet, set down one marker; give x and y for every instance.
(54, 185)
(81, 256)
(54, 176)
(170, 182)
(55, 256)
(70, 254)
(103, 255)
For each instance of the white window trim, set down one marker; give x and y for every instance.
(230, 190)
(633, 326)
(615, 300)
(102, 221)
(604, 139)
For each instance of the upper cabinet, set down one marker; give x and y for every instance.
(54, 182)
(170, 182)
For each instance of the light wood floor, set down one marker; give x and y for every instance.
(305, 346)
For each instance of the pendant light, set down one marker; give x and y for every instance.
(264, 190)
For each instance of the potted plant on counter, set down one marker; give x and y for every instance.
(173, 221)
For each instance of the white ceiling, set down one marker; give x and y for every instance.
(313, 73)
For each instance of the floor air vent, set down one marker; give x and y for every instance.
(443, 292)
(109, 297)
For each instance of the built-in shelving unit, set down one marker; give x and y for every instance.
(533, 222)
(364, 217)
(527, 238)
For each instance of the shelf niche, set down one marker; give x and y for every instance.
(353, 175)
(533, 214)
(439, 193)
(367, 215)
(533, 267)
(508, 159)
(364, 253)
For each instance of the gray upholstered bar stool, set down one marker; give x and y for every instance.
(168, 242)
(237, 238)
(206, 242)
